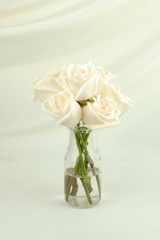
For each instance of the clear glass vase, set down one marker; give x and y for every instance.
(82, 177)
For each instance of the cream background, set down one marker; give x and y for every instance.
(123, 37)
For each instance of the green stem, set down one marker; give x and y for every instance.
(86, 190)
(69, 187)
(86, 137)
(71, 182)
(83, 169)
(85, 182)
(91, 164)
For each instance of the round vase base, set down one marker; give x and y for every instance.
(82, 201)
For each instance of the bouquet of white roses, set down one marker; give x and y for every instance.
(81, 97)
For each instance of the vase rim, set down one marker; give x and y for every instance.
(81, 129)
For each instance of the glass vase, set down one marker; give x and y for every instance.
(82, 176)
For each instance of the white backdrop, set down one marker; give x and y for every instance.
(120, 35)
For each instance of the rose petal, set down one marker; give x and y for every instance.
(96, 119)
(68, 114)
(123, 103)
(43, 94)
(73, 117)
(89, 115)
(87, 90)
(47, 84)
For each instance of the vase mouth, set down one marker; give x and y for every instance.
(81, 128)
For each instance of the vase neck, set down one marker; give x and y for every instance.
(81, 129)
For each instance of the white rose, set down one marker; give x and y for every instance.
(82, 80)
(64, 108)
(103, 80)
(113, 91)
(49, 83)
(101, 113)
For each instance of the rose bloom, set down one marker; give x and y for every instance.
(49, 83)
(82, 81)
(106, 110)
(101, 113)
(85, 81)
(64, 108)
(103, 80)
(114, 92)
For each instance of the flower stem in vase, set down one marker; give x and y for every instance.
(87, 156)
(84, 178)
(86, 190)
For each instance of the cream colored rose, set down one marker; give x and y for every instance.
(101, 113)
(113, 91)
(64, 108)
(104, 78)
(49, 83)
(82, 80)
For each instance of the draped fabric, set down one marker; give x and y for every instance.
(122, 36)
